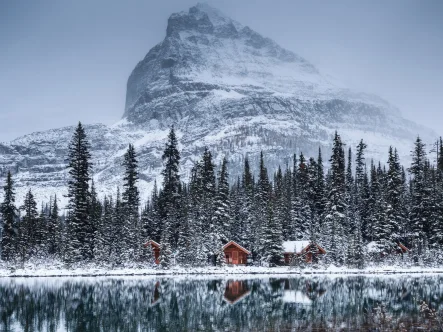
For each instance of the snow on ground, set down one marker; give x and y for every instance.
(61, 271)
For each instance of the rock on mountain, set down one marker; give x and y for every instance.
(224, 86)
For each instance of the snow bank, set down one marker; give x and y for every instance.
(91, 271)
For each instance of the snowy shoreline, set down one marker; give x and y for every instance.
(224, 271)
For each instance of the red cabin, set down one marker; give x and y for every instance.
(155, 247)
(235, 253)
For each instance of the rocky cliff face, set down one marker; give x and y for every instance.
(224, 86)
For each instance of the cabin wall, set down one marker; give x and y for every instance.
(234, 255)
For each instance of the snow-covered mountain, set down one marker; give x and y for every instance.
(224, 86)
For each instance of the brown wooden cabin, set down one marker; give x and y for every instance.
(235, 254)
(374, 250)
(235, 291)
(308, 250)
(402, 248)
(155, 248)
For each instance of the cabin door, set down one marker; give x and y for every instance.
(235, 257)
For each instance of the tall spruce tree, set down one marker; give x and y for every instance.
(54, 229)
(262, 201)
(79, 165)
(222, 203)
(336, 208)
(247, 205)
(27, 242)
(169, 200)
(8, 212)
(417, 170)
(131, 239)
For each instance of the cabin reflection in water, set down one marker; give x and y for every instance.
(311, 292)
(236, 290)
(156, 296)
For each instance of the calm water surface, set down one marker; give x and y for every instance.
(309, 303)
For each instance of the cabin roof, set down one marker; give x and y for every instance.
(375, 246)
(289, 247)
(403, 247)
(155, 244)
(295, 246)
(238, 246)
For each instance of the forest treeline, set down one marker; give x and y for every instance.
(344, 208)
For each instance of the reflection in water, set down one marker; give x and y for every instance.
(149, 304)
(236, 290)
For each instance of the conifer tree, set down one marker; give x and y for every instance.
(417, 171)
(336, 208)
(79, 164)
(94, 218)
(394, 194)
(131, 240)
(54, 229)
(222, 203)
(8, 212)
(272, 240)
(320, 195)
(247, 204)
(263, 196)
(169, 199)
(27, 242)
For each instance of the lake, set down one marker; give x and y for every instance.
(248, 303)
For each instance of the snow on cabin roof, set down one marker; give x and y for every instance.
(153, 242)
(295, 246)
(372, 247)
(375, 246)
(237, 245)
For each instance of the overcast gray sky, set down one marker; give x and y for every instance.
(63, 61)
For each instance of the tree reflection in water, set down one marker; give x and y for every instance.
(151, 304)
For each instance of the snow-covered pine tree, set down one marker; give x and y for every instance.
(169, 198)
(336, 208)
(54, 229)
(237, 224)
(166, 254)
(94, 217)
(287, 225)
(351, 215)
(311, 212)
(295, 201)
(272, 240)
(379, 209)
(27, 237)
(300, 208)
(262, 200)
(9, 215)
(279, 201)
(320, 188)
(222, 207)
(101, 245)
(79, 165)
(394, 195)
(417, 170)
(247, 214)
(440, 155)
(131, 240)
(212, 239)
(117, 229)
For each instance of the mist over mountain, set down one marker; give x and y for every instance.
(222, 85)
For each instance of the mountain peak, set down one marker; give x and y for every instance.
(203, 18)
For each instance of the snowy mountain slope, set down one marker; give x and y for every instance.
(224, 86)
